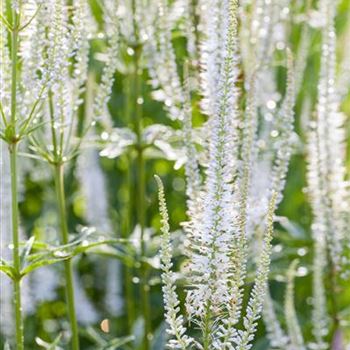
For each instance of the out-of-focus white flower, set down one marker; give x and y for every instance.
(94, 188)
(316, 19)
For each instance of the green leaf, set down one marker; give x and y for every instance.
(160, 337)
(112, 252)
(8, 269)
(48, 255)
(83, 247)
(26, 251)
(40, 263)
(2, 136)
(123, 138)
(138, 331)
(40, 245)
(34, 128)
(295, 230)
(49, 346)
(104, 344)
(118, 342)
(94, 336)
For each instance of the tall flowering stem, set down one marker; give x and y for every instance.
(141, 209)
(63, 61)
(141, 176)
(171, 301)
(60, 138)
(219, 230)
(13, 145)
(328, 189)
(15, 240)
(68, 267)
(214, 235)
(255, 303)
(127, 225)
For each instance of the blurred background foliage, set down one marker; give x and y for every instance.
(38, 213)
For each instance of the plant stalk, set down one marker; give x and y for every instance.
(68, 267)
(144, 272)
(16, 252)
(129, 290)
(141, 180)
(141, 187)
(13, 147)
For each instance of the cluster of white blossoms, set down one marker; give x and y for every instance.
(43, 79)
(54, 52)
(328, 189)
(217, 241)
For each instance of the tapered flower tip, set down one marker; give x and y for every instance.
(159, 182)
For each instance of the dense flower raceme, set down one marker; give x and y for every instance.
(217, 247)
(44, 98)
(329, 197)
(329, 192)
(54, 50)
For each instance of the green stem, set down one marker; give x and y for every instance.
(195, 22)
(16, 253)
(14, 76)
(141, 186)
(68, 267)
(14, 191)
(144, 272)
(141, 180)
(129, 290)
(53, 131)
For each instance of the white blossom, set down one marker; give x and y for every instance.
(218, 206)
(171, 301)
(294, 330)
